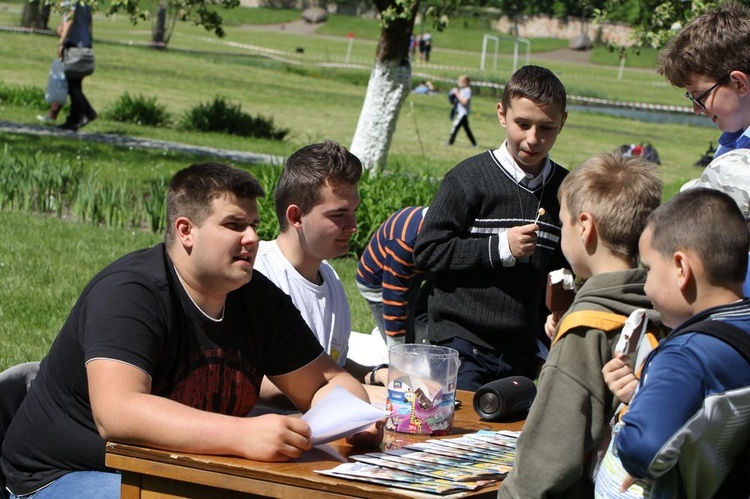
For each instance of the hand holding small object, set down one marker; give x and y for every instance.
(522, 240)
(619, 377)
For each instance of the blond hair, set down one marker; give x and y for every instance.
(619, 192)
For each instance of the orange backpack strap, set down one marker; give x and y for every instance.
(606, 321)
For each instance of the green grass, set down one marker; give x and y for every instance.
(42, 272)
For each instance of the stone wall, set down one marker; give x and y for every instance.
(549, 27)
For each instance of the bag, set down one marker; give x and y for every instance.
(644, 149)
(57, 85)
(735, 484)
(78, 61)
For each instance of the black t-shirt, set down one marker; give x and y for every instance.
(137, 311)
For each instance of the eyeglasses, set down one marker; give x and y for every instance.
(698, 101)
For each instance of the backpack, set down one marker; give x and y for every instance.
(644, 149)
(737, 482)
(608, 322)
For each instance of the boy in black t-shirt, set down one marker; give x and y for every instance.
(167, 346)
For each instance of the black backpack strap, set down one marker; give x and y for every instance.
(732, 335)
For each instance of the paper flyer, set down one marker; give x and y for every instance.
(340, 414)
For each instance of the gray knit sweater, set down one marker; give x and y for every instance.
(475, 297)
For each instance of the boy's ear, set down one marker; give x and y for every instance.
(501, 114)
(587, 227)
(183, 229)
(293, 215)
(684, 270)
(741, 81)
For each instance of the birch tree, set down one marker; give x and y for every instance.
(390, 79)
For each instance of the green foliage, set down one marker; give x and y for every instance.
(48, 185)
(139, 110)
(223, 117)
(37, 184)
(26, 95)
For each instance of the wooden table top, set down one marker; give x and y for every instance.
(258, 477)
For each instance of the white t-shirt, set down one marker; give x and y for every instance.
(324, 307)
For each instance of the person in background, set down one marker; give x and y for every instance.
(386, 273)
(462, 110)
(76, 31)
(167, 347)
(492, 235)
(710, 59)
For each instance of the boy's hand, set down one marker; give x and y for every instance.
(620, 379)
(551, 324)
(370, 437)
(522, 240)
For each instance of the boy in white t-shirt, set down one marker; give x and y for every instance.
(315, 199)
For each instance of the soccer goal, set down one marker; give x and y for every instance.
(517, 41)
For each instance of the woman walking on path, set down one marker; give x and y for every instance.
(76, 32)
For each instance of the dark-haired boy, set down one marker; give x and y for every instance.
(166, 347)
(689, 420)
(492, 234)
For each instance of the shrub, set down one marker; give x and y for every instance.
(223, 117)
(139, 110)
(25, 95)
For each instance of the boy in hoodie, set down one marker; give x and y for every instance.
(603, 208)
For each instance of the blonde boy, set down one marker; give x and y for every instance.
(603, 207)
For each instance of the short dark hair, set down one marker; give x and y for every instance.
(307, 171)
(712, 45)
(537, 84)
(192, 190)
(708, 223)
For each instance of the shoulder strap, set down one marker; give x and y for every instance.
(732, 335)
(606, 321)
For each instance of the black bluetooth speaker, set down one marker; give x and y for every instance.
(504, 397)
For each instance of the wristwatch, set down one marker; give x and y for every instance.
(374, 370)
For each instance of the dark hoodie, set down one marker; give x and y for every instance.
(573, 407)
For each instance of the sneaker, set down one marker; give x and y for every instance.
(67, 126)
(86, 119)
(45, 119)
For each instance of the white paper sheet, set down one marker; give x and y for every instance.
(340, 414)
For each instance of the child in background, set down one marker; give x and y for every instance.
(492, 234)
(689, 420)
(710, 59)
(603, 208)
(462, 108)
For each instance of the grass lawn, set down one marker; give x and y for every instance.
(43, 271)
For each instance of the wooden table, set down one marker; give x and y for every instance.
(157, 474)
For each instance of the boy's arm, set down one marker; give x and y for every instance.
(671, 394)
(567, 413)
(445, 244)
(398, 274)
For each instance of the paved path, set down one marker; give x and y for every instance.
(127, 142)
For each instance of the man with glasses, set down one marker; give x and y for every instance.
(710, 59)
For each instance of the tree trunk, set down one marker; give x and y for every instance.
(159, 29)
(387, 89)
(30, 14)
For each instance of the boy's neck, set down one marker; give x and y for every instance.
(602, 262)
(307, 266)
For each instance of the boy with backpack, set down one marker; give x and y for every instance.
(603, 208)
(688, 423)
